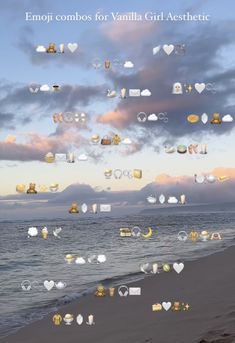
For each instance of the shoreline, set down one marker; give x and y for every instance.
(131, 320)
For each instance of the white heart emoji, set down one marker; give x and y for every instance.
(72, 47)
(168, 48)
(49, 284)
(178, 267)
(166, 305)
(200, 87)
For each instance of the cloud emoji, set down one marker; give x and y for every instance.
(128, 64)
(32, 231)
(44, 88)
(82, 157)
(172, 200)
(227, 118)
(101, 258)
(146, 92)
(153, 117)
(80, 260)
(127, 141)
(41, 48)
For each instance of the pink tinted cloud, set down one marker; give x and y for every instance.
(122, 117)
(10, 139)
(128, 32)
(117, 119)
(36, 146)
(164, 179)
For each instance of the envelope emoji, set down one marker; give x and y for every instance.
(134, 290)
(156, 307)
(134, 92)
(60, 158)
(137, 173)
(105, 207)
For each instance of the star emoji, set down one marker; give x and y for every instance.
(186, 307)
(189, 88)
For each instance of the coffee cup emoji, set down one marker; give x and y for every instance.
(107, 64)
(111, 291)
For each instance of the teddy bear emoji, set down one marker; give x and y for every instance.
(51, 49)
(32, 189)
(74, 208)
(100, 291)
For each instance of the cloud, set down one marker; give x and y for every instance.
(41, 48)
(20, 101)
(216, 193)
(37, 55)
(164, 179)
(118, 119)
(172, 200)
(82, 157)
(127, 32)
(127, 141)
(227, 118)
(37, 146)
(220, 171)
(128, 64)
(153, 117)
(44, 88)
(10, 139)
(14, 9)
(146, 92)
(7, 120)
(201, 63)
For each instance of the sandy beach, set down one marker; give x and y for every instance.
(207, 285)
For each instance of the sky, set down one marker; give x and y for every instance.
(27, 128)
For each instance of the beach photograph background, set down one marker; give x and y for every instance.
(28, 132)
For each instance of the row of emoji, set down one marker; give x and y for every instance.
(72, 47)
(200, 178)
(69, 117)
(155, 268)
(84, 208)
(32, 188)
(196, 236)
(183, 149)
(68, 319)
(92, 259)
(175, 306)
(120, 173)
(33, 231)
(69, 157)
(28, 285)
(204, 118)
(152, 199)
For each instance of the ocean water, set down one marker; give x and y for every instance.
(37, 259)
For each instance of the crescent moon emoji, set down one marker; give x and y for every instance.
(149, 234)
